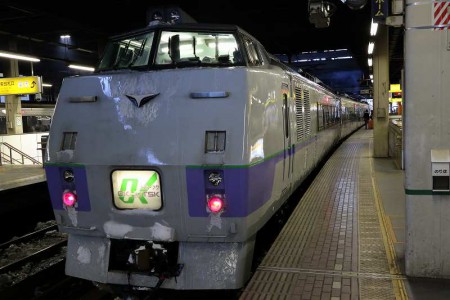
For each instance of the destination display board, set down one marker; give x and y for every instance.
(20, 85)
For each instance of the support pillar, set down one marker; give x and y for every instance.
(427, 138)
(13, 105)
(381, 93)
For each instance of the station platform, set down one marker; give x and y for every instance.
(346, 237)
(14, 176)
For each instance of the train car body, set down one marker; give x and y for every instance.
(163, 164)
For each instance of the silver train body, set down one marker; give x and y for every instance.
(163, 164)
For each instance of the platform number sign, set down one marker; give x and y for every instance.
(380, 10)
(440, 174)
(440, 169)
(136, 189)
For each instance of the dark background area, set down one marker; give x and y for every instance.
(34, 28)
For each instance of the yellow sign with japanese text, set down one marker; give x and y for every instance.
(20, 85)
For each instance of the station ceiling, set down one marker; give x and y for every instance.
(282, 27)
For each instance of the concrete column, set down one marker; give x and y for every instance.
(13, 105)
(381, 93)
(427, 138)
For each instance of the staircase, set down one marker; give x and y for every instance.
(11, 155)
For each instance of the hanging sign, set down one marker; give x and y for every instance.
(380, 10)
(20, 85)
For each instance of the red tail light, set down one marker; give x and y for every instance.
(215, 204)
(69, 198)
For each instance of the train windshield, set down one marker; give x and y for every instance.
(127, 53)
(197, 48)
(175, 49)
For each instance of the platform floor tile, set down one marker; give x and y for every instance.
(333, 245)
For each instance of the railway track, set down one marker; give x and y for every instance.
(30, 260)
(32, 267)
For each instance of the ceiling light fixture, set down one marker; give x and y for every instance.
(369, 62)
(373, 28)
(370, 49)
(84, 68)
(18, 56)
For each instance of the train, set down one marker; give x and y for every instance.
(165, 162)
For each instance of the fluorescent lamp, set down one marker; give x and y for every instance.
(46, 85)
(371, 46)
(65, 36)
(18, 56)
(373, 28)
(84, 68)
(369, 61)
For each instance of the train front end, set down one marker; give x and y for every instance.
(134, 163)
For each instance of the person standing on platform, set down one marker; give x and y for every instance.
(366, 119)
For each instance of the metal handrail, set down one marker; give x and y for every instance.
(9, 158)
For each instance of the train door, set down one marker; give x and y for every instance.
(288, 149)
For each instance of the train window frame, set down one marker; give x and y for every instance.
(252, 53)
(131, 51)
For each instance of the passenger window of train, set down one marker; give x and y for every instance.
(127, 53)
(252, 53)
(197, 48)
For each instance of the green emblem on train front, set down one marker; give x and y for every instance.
(129, 187)
(136, 189)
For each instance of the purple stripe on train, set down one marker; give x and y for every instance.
(246, 188)
(258, 179)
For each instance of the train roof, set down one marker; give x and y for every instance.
(224, 28)
(186, 26)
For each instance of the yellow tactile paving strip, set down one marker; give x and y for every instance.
(333, 245)
(373, 257)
